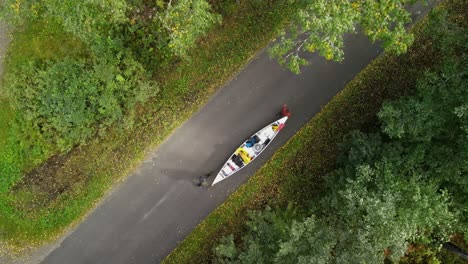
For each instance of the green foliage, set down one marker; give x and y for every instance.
(435, 119)
(11, 154)
(267, 229)
(62, 102)
(43, 40)
(96, 87)
(148, 40)
(60, 191)
(434, 123)
(154, 27)
(296, 171)
(308, 241)
(87, 20)
(320, 26)
(274, 237)
(381, 201)
(186, 21)
(420, 255)
(441, 103)
(405, 185)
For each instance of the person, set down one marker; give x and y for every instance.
(285, 111)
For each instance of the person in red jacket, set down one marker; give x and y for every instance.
(285, 111)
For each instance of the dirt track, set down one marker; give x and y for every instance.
(4, 40)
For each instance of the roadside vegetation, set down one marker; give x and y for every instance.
(379, 175)
(65, 145)
(90, 87)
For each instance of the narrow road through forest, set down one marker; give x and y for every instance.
(145, 217)
(158, 205)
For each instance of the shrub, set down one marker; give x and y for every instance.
(62, 102)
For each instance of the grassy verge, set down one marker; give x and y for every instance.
(59, 192)
(10, 155)
(315, 148)
(44, 41)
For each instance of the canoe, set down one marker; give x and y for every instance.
(250, 149)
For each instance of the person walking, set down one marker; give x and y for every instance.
(284, 112)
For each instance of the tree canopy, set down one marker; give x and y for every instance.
(320, 26)
(405, 184)
(64, 101)
(186, 21)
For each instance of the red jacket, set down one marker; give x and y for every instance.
(285, 111)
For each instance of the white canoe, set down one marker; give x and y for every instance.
(250, 149)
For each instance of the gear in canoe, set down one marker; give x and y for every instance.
(252, 147)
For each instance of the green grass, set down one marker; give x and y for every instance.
(6, 115)
(58, 193)
(10, 152)
(295, 172)
(43, 40)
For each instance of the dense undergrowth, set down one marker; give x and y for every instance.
(295, 175)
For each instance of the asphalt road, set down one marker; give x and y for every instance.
(145, 217)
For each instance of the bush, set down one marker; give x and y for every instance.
(148, 41)
(62, 102)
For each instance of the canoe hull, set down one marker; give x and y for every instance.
(250, 149)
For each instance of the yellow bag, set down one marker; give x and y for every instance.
(244, 155)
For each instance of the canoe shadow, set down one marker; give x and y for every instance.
(209, 166)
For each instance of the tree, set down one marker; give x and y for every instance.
(65, 101)
(186, 21)
(374, 206)
(95, 21)
(308, 241)
(435, 122)
(379, 201)
(266, 229)
(320, 25)
(405, 185)
(275, 238)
